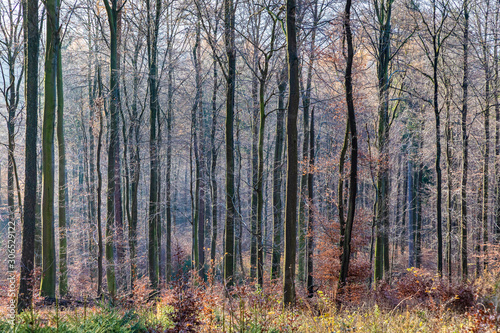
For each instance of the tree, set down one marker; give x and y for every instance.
(198, 204)
(310, 221)
(383, 12)
(62, 179)
(31, 39)
(292, 157)
(48, 281)
(154, 214)
(465, 91)
(351, 129)
(277, 176)
(113, 196)
(99, 113)
(230, 89)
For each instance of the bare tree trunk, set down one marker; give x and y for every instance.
(31, 39)
(213, 170)
(465, 86)
(48, 283)
(229, 39)
(353, 178)
(384, 14)
(486, 153)
(277, 177)
(310, 222)
(63, 188)
(292, 158)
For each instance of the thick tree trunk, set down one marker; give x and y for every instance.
(229, 39)
(113, 11)
(382, 180)
(154, 218)
(48, 282)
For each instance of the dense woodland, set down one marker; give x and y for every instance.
(313, 145)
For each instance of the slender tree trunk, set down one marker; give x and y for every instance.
(353, 178)
(449, 136)
(486, 147)
(135, 167)
(306, 102)
(31, 39)
(292, 158)
(310, 222)
(439, 176)
(170, 93)
(260, 180)
(411, 214)
(465, 87)
(63, 187)
(213, 170)
(255, 166)
(277, 175)
(418, 213)
(100, 242)
(196, 109)
(497, 125)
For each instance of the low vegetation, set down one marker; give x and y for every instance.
(417, 302)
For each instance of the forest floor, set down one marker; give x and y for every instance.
(417, 302)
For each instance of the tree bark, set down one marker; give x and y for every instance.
(382, 206)
(31, 39)
(154, 216)
(63, 187)
(277, 177)
(353, 178)
(48, 282)
(292, 158)
(465, 87)
(229, 39)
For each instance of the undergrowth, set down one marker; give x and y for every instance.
(417, 302)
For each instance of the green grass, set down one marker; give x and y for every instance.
(98, 320)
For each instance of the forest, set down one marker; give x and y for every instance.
(250, 166)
